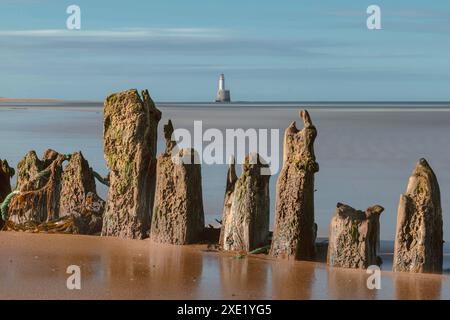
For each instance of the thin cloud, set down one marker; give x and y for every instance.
(117, 33)
(405, 13)
(162, 41)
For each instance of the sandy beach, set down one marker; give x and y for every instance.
(25, 100)
(33, 266)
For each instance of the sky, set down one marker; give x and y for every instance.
(284, 50)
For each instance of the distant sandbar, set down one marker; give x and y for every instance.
(28, 100)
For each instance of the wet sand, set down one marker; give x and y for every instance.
(33, 266)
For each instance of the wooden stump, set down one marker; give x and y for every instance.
(130, 137)
(245, 223)
(79, 196)
(419, 238)
(178, 216)
(295, 230)
(53, 199)
(354, 237)
(39, 183)
(228, 198)
(6, 173)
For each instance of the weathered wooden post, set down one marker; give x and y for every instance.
(130, 134)
(228, 198)
(79, 195)
(39, 187)
(178, 216)
(354, 237)
(295, 230)
(6, 173)
(419, 238)
(245, 223)
(49, 194)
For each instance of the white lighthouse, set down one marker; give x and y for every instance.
(223, 95)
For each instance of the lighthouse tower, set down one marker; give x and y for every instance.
(221, 82)
(223, 95)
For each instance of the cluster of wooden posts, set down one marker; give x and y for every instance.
(160, 198)
(354, 235)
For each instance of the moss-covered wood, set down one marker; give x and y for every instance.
(6, 173)
(245, 222)
(178, 216)
(53, 198)
(419, 236)
(295, 230)
(130, 124)
(354, 237)
(79, 196)
(39, 184)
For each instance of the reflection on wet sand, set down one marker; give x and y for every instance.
(43, 275)
(175, 272)
(418, 287)
(33, 266)
(292, 280)
(345, 284)
(157, 272)
(243, 278)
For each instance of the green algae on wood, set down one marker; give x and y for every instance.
(245, 221)
(130, 124)
(354, 237)
(6, 173)
(419, 236)
(57, 198)
(295, 229)
(178, 208)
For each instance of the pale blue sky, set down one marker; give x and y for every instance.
(269, 50)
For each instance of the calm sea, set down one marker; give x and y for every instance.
(366, 151)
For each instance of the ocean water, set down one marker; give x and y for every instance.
(366, 152)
